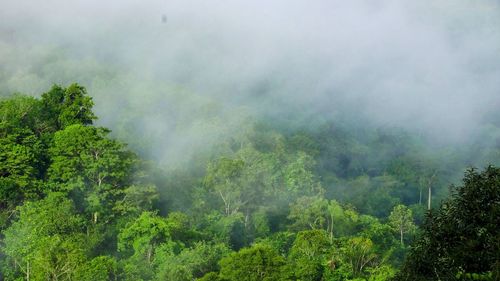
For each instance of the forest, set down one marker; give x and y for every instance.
(232, 140)
(271, 203)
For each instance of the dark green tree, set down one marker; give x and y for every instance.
(462, 236)
(62, 107)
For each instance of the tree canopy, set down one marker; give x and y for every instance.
(461, 237)
(268, 201)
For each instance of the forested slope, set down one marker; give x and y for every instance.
(270, 201)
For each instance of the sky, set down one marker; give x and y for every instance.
(182, 73)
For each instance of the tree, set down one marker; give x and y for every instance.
(27, 125)
(224, 178)
(92, 168)
(299, 178)
(401, 220)
(47, 240)
(191, 263)
(319, 213)
(212, 276)
(18, 112)
(102, 268)
(257, 263)
(62, 107)
(381, 273)
(359, 254)
(226, 229)
(310, 213)
(427, 181)
(136, 199)
(20, 168)
(308, 255)
(22, 165)
(143, 235)
(280, 241)
(461, 236)
(382, 236)
(181, 228)
(243, 181)
(251, 178)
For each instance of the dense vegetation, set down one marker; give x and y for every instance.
(271, 202)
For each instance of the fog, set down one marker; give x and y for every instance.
(170, 77)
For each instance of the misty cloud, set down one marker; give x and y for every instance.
(428, 66)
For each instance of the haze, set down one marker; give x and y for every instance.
(428, 66)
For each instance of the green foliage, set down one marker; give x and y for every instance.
(260, 222)
(266, 201)
(310, 251)
(319, 213)
(86, 152)
(310, 213)
(47, 239)
(462, 235)
(358, 254)
(18, 113)
(475, 276)
(311, 244)
(191, 263)
(137, 198)
(22, 162)
(91, 167)
(254, 178)
(226, 229)
(212, 276)
(180, 228)
(100, 268)
(145, 242)
(299, 177)
(381, 193)
(20, 168)
(144, 235)
(26, 128)
(257, 263)
(280, 241)
(381, 273)
(401, 220)
(67, 106)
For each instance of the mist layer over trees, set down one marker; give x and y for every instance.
(271, 203)
(249, 141)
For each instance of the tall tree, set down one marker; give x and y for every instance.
(224, 178)
(47, 242)
(92, 168)
(62, 107)
(401, 220)
(462, 236)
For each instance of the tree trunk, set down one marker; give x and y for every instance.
(330, 228)
(401, 231)
(431, 181)
(430, 197)
(149, 253)
(227, 205)
(247, 218)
